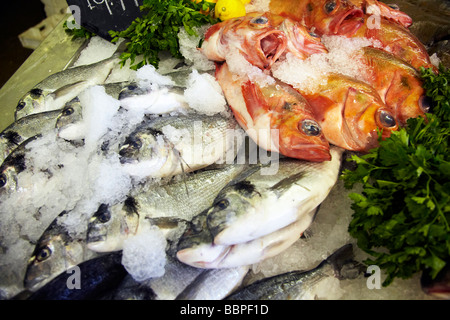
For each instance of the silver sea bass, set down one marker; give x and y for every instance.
(57, 89)
(168, 206)
(56, 251)
(167, 146)
(303, 285)
(260, 215)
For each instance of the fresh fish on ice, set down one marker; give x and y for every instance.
(304, 285)
(257, 216)
(196, 246)
(275, 116)
(163, 100)
(14, 164)
(350, 113)
(38, 124)
(398, 83)
(54, 91)
(254, 36)
(167, 146)
(25, 128)
(56, 251)
(261, 204)
(168, 205)
(214, 284)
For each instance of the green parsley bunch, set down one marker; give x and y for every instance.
(157, 30)
(402, 217)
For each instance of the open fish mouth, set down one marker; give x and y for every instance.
(271, 45)
(348, 23)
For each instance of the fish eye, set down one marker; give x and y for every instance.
(3, 180)
(43, 254)
(259, 20)
(330, 6)
(132, 87)
(103, 214)
(309, 127)
(425, 103)
(222, 204)
(393, 6)
(35, 93)
(67, 111)
(21, 105)
(104, 217)
(387, 119)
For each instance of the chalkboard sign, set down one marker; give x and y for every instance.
(101, 16)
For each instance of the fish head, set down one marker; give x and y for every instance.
(301, 137)
(9, 172)
(111, 225)
(54, 253)
(399, 84)
(196, 247)
(231, 203)
(364, 115)
(131, 90)
(44, 261)
(71, 113)
(407, 98)
(141, 145)
(351, 113)
(255, 36)
(294, 130)
(335, 17)
(31, 102)
(301, 41)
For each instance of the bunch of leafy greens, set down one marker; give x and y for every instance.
(157, 30)
(77, 32)
(402, 216)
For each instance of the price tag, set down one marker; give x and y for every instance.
(101, 16)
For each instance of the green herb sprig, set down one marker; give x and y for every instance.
(79, 32)
(402, 216)
(157, 30)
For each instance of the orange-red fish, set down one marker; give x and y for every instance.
(396, 39)
(350, 112)
(397, 82)
(253, 35)
(323, 16)
(355, 18)
(387, 11)
(275, 116)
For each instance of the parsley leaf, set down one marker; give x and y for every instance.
(402, 216)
